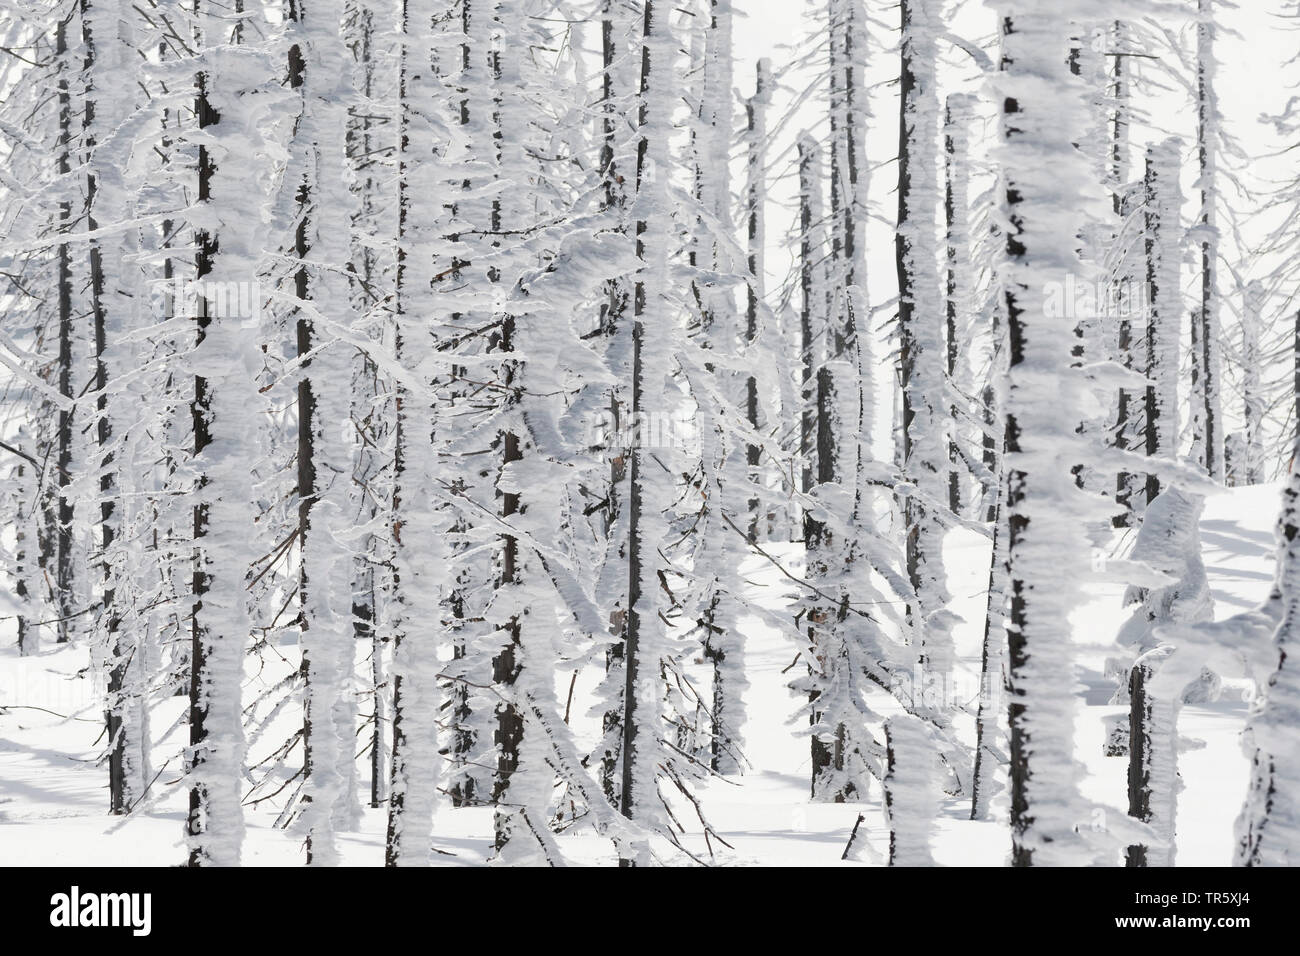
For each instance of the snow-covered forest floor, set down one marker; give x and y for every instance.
(53, 798)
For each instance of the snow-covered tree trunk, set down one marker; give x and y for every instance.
(1042, 117)
(1268, 827)
(1169, 544)
(988, 755)
(994, 445)
(649, 486)
(922, 358)
(62, 511)
(957, 118)
(29, 586)
(371, 391)
(470, 721)
(1250, 469)
(813, 324)
(1163, 237)
(534, 348)
(1121, 333)
(814, 327)
(115, 295)
(234, 184)
(1207, 415)
(1093, 328)
(990, 742)
(616, 83)
(318, 69)
(371, 562)
(1120, 87)
(844, 397)
(723, 399)
(756, 240)
(1153, 781)
(419, 560)
(507, 665)
(911, 790)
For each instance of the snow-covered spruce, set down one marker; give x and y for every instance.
(721, 394)
(1163, 239)
(419, 559)
(923, 354)
(1268, 828)
(1248, 469)
(911, 790)
(959, 300)
(117, 295)
(649, 488)
(1047, 184)
(318, 68)
(1207, 362)
(841, 643)
(1169, 544)
(238, 94)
